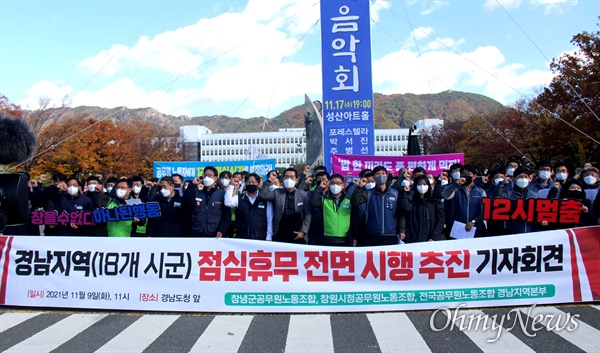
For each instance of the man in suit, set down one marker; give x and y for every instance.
(291, 209)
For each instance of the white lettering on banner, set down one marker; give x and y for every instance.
(345, 23)
(237, 275)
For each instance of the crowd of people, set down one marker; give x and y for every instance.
(314, 206)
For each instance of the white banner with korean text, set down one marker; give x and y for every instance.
(234, 275)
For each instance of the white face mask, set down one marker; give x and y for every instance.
(73, 190)
(335, 189)
(137, 189)
(498, 180)
(456, 175)
(544, 174)
(109, 189)
(590, 180)
(225, 182)
(405, 183)
(121, 193)
(561, 176)
(289, 183)
(91, 187)
(369, 186)
(444, 182)
(431, 181)
(522, 183)
(422, 189)
(208, 181)
(510, 171)
(165, 192)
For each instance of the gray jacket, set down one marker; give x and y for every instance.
(277, 197)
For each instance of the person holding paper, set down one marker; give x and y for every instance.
(467, 200)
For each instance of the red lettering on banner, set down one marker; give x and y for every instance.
(462, 259)
(210, 265)
(501, 211)
(318, 260)
(570, 211)
(399, 263)
(260, 265)
(342, 260)
(286, 264)
(237, 270)
(434, 261)
(547, 210)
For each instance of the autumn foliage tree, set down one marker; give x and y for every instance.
(84, 147)
(562, 124)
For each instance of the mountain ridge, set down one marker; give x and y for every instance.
(391, 112)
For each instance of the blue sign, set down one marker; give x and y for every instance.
(347, 84)
(190, 170)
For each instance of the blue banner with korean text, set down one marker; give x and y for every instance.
(190, 170)
(347, 83)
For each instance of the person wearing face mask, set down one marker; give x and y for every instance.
(383, 221)
(521, 190)
(544, 179)
(178, 180)
(291, 209)
(224, 179)
(121, 192)
(99, 200)
(330, 200)
(170, 222)
(351, 187)
(455, 172)
(140, 191)
(109, 185)
(73, 201)
(561, 175)
(467, 206)
(210, 216)
(254, 216)
(589, 176)
(572, 190)
(424, 214)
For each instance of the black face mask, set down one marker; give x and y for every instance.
(577, 195)
(251, 188)
(177, 185)
(469, 180)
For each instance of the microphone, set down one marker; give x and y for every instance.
(17, 143)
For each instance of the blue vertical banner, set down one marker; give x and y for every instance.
(348, 120)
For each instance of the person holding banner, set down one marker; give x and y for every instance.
(210, 216)
(572, 190)
(122, 228)
(291, 209)
(521, 190)
(335, 209)
(99, 200)
(383, 220)
(425, 214)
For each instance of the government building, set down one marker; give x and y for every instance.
(286, 146)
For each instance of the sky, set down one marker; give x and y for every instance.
(248, 58)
